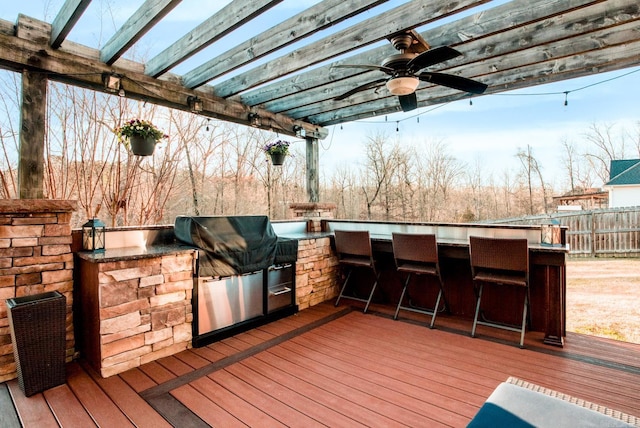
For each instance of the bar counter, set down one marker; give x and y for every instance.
(500, 304)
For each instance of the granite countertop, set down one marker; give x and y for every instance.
(305, 235)
(133, 253)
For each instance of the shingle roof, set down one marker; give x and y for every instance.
(624, 171)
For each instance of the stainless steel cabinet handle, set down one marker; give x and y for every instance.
(279, 292)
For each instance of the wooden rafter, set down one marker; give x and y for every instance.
(472, 30)
(512, 45)
(508, 52)
(304, 24)
(71, 11)
(220, 24)
(135, 27)
(409, 15)
(618, 57)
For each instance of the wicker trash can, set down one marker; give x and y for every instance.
(37, 324)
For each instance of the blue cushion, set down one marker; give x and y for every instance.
(515, 406)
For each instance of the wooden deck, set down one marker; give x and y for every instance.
(331, 366)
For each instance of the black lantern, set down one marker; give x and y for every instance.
(93, 235)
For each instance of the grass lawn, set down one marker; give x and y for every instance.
(603, 298)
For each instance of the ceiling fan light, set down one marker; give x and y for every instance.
(402, 85)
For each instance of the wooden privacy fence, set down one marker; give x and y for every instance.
(609, 232)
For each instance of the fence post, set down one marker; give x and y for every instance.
(593, 234)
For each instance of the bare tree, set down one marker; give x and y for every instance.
(606, 146)
(437, 171)
(569, 161)
(381, 163)
(530, 170)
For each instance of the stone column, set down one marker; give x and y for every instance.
(314, 212)
(35, 257)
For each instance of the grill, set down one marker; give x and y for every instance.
(244, 275)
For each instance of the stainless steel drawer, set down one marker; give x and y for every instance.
(280, 287)
(229, 300)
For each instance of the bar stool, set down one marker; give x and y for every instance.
(499, 261)
(417, 254)
(354, 251)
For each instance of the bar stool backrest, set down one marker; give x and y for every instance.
(499, 253)
(410, 247)
(353, 243)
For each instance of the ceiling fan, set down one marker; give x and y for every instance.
(404, 70)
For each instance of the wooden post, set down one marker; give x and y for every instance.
(313, 164)
(32, 130)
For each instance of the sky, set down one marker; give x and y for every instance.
(489, 132)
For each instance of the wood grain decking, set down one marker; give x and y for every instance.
(329, 366)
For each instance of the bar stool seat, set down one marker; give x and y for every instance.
(353, 248)
(417, 254)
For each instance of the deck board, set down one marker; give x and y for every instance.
(263, 401)
(328, 366)
(157, 372)
(66, 407)
(137, 379)
(93, 399)
(8, 417)
(128, 401)
(295, 399)
(32, 411)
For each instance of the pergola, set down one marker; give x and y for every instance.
(515, 44)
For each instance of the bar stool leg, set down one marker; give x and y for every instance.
(373, 290)
(524, 319)
(404, 290)
(475, 319)
(435, 309)
(343, 287)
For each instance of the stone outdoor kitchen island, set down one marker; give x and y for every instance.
(135, 306)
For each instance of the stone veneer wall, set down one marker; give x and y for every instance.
(144, 311)
(35, 257)
(316, 272)
(317, 267)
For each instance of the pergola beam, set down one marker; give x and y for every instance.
(217, 26)
(135, 27)
(480, 36)
(19, 53)
(505, 58)
(406, 16)
(318, 17)
(69, 14)
(556, 70)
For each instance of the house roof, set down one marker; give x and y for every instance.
(624, 172)
(287, 78)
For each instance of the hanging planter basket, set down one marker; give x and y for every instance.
(142, 146)
(277, 158)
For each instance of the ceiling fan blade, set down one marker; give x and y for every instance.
(387, 70)
(453, 81)
(431, 57)
(408, 102)
(360, 89)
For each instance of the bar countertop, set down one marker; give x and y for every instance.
(133, 253)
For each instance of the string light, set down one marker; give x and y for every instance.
(566, 94)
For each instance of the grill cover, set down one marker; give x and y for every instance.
(230, 245)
